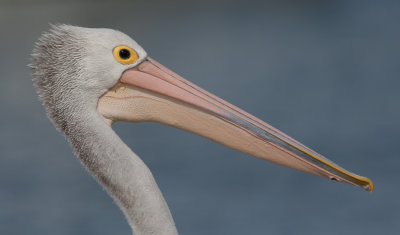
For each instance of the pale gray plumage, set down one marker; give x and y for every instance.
(86, 81)
(72, 68)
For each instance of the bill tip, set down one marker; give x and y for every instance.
(369, 185)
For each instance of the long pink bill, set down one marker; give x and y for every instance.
(225, 123)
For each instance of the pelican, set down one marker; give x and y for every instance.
(89, 78)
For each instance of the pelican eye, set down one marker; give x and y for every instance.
(125, 55)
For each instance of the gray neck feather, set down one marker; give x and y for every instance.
(123, 174)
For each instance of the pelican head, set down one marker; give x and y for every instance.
(91, 78)
(104, 72)
(73, 68)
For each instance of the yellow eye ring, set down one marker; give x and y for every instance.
(125, 55)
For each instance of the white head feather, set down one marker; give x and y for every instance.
(79, 62)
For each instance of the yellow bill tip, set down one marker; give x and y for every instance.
(369, 185)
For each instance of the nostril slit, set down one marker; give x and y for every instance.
(333, 178)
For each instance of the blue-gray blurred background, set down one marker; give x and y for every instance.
(325, 72)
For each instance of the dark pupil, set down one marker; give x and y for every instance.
(124, 54)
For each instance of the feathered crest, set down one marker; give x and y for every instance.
(56, 60)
